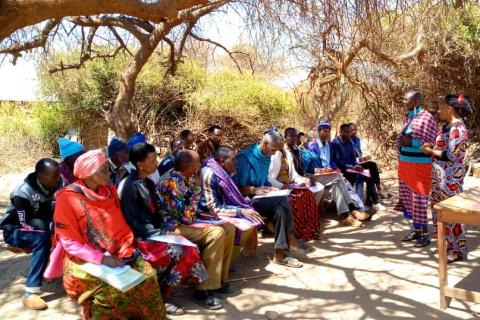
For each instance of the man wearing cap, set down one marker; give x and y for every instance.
(117, 157)
(69, 152)
(318, 159)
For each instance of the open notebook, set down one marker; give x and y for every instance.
(122, 278)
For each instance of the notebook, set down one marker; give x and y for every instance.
(122, 278)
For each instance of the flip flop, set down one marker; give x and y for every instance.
(288, 261)
(173, 309)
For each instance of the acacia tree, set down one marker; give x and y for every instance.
(360, 56)
(103, 29)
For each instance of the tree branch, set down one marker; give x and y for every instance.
(18, 14)
(230, 53)
(39, 41)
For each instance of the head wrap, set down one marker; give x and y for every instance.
(116, 145)
(88, 163)
(324, 124)
(68, 147)
(137, 138)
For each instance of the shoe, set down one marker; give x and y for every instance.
(225, 288)
(412, 235)
(453, 257)
(33, 301)
(361, 216)
(351, 222)
(370, 209)
(423, 237)
(173, 309)
(207, 299)
(423, 241)
(379, 207)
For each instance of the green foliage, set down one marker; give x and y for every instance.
(161, 102)
(38, 122)
(52, 121)
(231, 92)
(17, 120)
(469, 27)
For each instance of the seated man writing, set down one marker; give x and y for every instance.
(27, 224)
(367, 163)
(180, 192)
(345, 159)
(222, 198)
(284, 175)
(318, 160)
(253, 164)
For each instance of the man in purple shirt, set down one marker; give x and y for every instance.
(345, 159)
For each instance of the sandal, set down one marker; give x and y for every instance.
(303, 248)
(451, 258)
(288, 261)
(173, 309)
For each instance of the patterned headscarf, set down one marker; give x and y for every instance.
(88, 163)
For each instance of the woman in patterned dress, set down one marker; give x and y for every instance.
(449, 168)
(90, 227)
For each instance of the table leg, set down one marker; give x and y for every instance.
(442, 262)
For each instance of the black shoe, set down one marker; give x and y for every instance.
(207, 300)
(226, 288)
(423, 241)
(411, 236)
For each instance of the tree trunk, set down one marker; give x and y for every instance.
(120, 119)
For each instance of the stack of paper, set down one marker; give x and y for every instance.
(122, 278)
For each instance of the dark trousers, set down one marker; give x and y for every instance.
(374, 172)
(40, 243)
(277, 208)
(357, 180)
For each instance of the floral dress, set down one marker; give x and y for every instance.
(447, 179)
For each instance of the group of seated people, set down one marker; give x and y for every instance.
(111, 209)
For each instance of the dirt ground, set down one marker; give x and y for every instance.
(362, 273)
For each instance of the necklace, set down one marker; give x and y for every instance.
(42, 188)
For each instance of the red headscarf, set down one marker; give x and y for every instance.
(88, 163)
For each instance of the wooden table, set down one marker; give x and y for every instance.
(462, 208)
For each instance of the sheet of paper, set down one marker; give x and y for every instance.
(174, 239)
(317, 187)
(273, 194)
(365, 172)
(214, 222)
(242, 224)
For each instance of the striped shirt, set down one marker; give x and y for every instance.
(212, 199)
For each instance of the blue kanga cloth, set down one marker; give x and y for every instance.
(308, 161)
(252, 167)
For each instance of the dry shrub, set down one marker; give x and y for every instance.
(20, 153)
